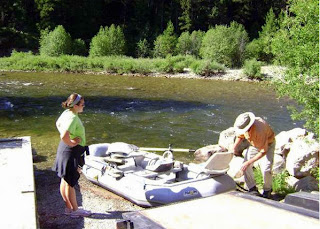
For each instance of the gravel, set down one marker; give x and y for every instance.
(106, 207)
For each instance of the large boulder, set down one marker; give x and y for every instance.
(204, 153)
(303, 156)
(297, 133)
(227, 139)
(285, 138)
(283, 142)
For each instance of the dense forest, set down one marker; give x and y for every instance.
(21, 21)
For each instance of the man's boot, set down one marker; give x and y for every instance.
(254, 191)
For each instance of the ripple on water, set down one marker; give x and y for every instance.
(150, 112)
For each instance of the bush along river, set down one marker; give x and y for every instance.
(145, 111)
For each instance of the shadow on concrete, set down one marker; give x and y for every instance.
(50, 205)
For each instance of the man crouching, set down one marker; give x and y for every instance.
(262, 140)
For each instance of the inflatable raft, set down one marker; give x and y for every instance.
(148, 179)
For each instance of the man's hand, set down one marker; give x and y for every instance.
(245, 165)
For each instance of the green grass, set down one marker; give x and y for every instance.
(111, 64)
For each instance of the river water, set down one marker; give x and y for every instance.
(145, 111)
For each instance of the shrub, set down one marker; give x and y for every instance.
(225, 44)
(55, 43)
(252, 69)
(269, 29)
(143, 48)
(190, 43)
(184, 44)
(196, 41)
(79, 47)
(206, 67)
(165, 43)
(280, 185)
(109, 41)
(254, 50)
(315, 173)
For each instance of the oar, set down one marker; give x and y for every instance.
(165, 149)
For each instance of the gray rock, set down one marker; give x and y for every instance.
(227, 139)
(306, 184)
(303, 156)
(204, 153)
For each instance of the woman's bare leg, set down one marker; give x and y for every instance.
(68, 195)
(71, 197)
(63, 193)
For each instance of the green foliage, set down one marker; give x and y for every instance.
(315, 173)
(258, 177)
(296, 46)
(79, 47)
(269, 29)
(143, 49)
(139, 19)
(184, 44)
(55, 43)
(45, 9)
(189, 44)
(206, 67)
(110, 64)
(225, 44)
(252, 69)
(109, 41)
(166, 42)
(172, 64)
(185, 19)
(279, 183)
(196, 41)
(254, 50)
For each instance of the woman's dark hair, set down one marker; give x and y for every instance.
(73, 99)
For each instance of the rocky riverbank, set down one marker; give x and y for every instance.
(268, 72)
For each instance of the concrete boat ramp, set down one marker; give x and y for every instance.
(230, 210)
(17, 193)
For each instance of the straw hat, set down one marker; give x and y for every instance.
(244, 122)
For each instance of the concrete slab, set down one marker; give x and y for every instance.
(304, 199)
(230, 210)
(17, 195)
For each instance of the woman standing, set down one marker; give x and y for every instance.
(70, 149)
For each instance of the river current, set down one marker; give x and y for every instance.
(145, 111)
